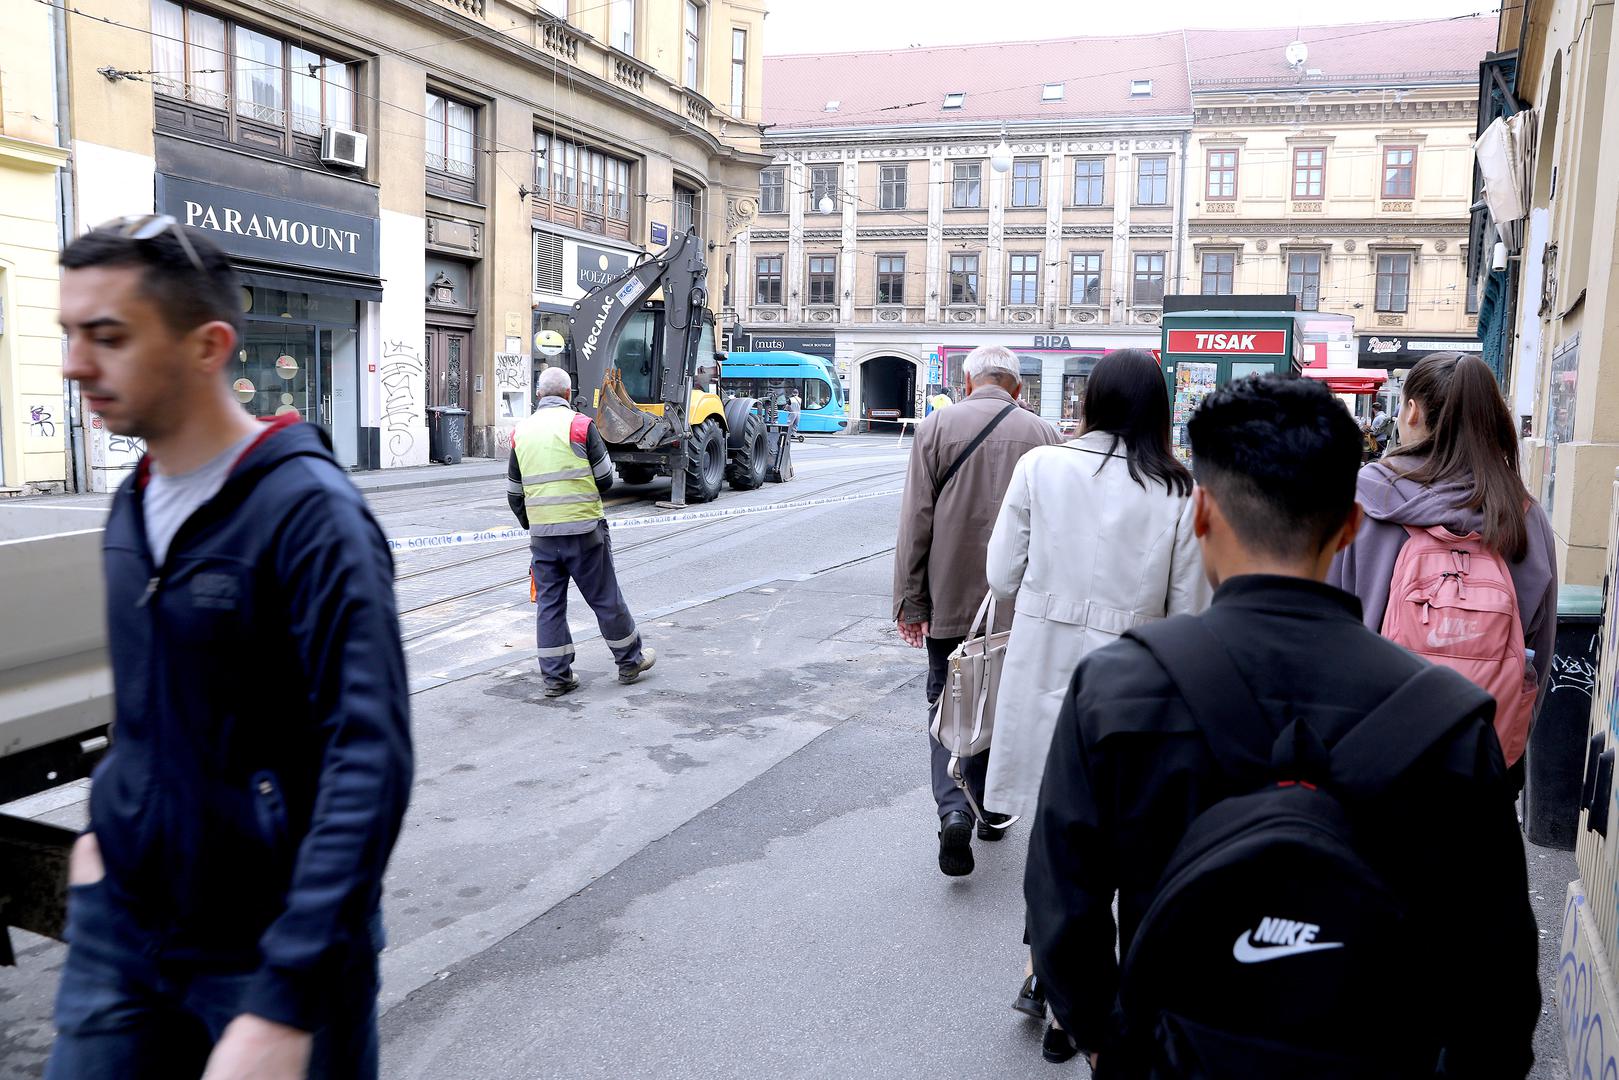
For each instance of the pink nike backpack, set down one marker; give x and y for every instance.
(1452, 602)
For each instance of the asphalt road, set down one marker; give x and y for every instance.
(727, 870)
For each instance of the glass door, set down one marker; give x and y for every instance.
(339, 381)
(277, 372)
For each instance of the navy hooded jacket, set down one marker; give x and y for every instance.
(261, 755)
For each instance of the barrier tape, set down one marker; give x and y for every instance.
(490, 536)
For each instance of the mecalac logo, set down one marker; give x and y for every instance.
(589, 347)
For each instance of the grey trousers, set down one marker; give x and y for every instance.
(587, 560)
(946, 794)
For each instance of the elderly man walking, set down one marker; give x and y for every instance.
(554, 483)
(961, 464)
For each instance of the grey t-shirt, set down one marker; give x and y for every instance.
(170, 500)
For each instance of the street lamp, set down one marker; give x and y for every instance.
(826, 204)
(1000, 158)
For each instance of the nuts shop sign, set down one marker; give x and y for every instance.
(1228, 342)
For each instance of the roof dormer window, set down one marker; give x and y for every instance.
(1141, 88)
(954, 100)
(1053, 91)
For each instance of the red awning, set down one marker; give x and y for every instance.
(1349, 380)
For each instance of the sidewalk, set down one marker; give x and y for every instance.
(468, 469)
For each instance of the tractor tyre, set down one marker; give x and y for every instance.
(636, 475)
(705, 462)
(747, 469)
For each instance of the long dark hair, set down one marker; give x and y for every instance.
(1470, 441)
(1126, 397)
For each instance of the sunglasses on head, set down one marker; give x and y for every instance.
(150, 227)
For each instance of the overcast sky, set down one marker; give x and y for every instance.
(811, 26)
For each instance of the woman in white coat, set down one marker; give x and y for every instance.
(1094, 538)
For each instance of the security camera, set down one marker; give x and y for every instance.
(1498, 258)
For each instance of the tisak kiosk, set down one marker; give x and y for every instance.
(1203, 350)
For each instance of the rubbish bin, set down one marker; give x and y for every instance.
(1555, 757)
(446, 434)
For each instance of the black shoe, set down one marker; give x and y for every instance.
(993, 826)
(557, 689)
(956, 844)
(1031, 1000)
(1056, 1047)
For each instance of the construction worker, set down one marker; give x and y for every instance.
(559, 469)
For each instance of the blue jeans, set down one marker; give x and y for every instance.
(124, 1010)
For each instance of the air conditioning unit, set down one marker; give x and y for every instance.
(341, 146)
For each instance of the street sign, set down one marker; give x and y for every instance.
(660, 233)
(1228, 342)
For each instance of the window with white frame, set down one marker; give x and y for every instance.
(1304, 278)
(621, 26)
(687, 209)
(773, 190)
(1152, 181)
(1023, 278)
(739, 71)
(694, 42)
(1393, 282)
(823, 279)
(452, 160)
(1219, 273)
(964, 278)
(967, 185)
(1090, 175)
(1026, 178)
(1149, 278)
(893, 186)
(1085, 283)
(767, 279)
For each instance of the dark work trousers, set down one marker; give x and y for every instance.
(587, 560)
(946, 794)
(127, 1011)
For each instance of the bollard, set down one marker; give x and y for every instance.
(1554, 760)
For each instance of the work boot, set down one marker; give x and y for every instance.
(627, 675)
(562, 686)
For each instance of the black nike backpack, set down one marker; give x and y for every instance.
(1273, 948)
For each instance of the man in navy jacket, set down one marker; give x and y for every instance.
(224, 905)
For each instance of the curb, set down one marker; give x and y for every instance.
(404, 484)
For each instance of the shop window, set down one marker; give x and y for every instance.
(1149, 278)
(1085, 284)
(1089, 181)
(767, 279)
(964, 279)
(1152, 181)
(1304, 278)
(823, 279)
(579, 186)
(221, 79)
(966, 185)
(1399, 172)
(893, 183)
(452, 157)
(1219, 273)
(773, 191)
(1026, 177)
(891, 279)
(1393, 282)
(1309, 173)
(1222, 175)
(1023, 279)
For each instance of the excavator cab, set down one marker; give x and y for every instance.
(643, 368)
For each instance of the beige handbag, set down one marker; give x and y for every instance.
(964, 716)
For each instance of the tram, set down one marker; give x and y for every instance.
(776, 376)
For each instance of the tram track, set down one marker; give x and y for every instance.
(620, 551)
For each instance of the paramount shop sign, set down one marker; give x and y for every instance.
(273, 230)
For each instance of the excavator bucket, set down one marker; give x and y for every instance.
(617, 417)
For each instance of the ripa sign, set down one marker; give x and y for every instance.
(273, 230)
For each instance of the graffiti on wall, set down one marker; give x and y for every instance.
(509, 371)
(402, 373)
(1580, 1000)
(41, 425)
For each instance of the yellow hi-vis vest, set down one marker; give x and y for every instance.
(559, 492)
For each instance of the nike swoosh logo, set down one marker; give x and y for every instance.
(1435, 641)
(1248, 953)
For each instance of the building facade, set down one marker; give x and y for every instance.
(1335, 164)
(410, 204)
(1556, 293)
(33, 427)
(888, 240)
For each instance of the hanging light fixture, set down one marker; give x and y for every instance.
(1000, 158)
(826, 204)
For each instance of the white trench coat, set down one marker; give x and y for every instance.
(1088, 554)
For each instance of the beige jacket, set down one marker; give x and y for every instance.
(1088, 553)
(939, 557)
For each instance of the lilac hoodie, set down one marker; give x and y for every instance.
(1392, 502)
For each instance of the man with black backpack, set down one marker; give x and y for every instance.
(1318, 868)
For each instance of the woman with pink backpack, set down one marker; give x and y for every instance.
(1454, 560)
